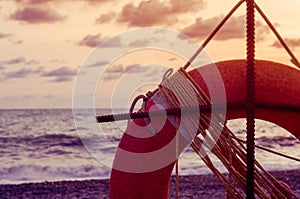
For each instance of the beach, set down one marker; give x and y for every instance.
(191, 186)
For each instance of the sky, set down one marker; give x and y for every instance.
(45, 43)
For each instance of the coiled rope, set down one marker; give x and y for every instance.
(223, 143)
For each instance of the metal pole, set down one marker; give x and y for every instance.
(250, 101)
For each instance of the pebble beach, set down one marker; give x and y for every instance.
(192, 186)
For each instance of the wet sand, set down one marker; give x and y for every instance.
(200, 186)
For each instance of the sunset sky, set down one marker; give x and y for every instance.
(44, 42)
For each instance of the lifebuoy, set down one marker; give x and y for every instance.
(276, 84)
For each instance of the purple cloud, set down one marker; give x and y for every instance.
(16, 60)
(116, 71)
(61, 74)
(61, 79)
(21, 73)
(37, 15)
(62, 71)
(99, 63)
(33, 2)
(113, 42)
(94, 40)
(19, 60)
(91, 40)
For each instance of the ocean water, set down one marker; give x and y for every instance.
(44, 145)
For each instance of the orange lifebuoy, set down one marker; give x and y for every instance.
(276, 84)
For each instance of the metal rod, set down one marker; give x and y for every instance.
(213, 34)
(193, 110)
(294, 60)
(250, 98)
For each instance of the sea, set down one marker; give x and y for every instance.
(38, 145)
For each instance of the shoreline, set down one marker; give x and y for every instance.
(190, 186)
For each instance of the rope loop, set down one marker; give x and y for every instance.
(168, 73)
(136, 99)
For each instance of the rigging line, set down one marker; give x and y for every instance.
(270, 151)
(213, 34)
(294, 60)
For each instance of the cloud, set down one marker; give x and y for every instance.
(61, 79)
(106, 18)
(135, 68)
(131, 68)
(154, 12)
(17, 60)
(91, 40)
(112, 42)
(140, 43)
(33, 2)
(291, 42)
(35, 15)
(62, 71)
(40, 2)
(232, 29)
(99, 63)
(97, 1)
(116, 71)
(4, 35)
(32, 62)
(21, 73)
(94, 40)
(61, 74)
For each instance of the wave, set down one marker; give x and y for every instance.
(39, 173)
(43, 140)
(283, 141)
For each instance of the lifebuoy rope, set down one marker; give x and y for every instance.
(226, 147)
